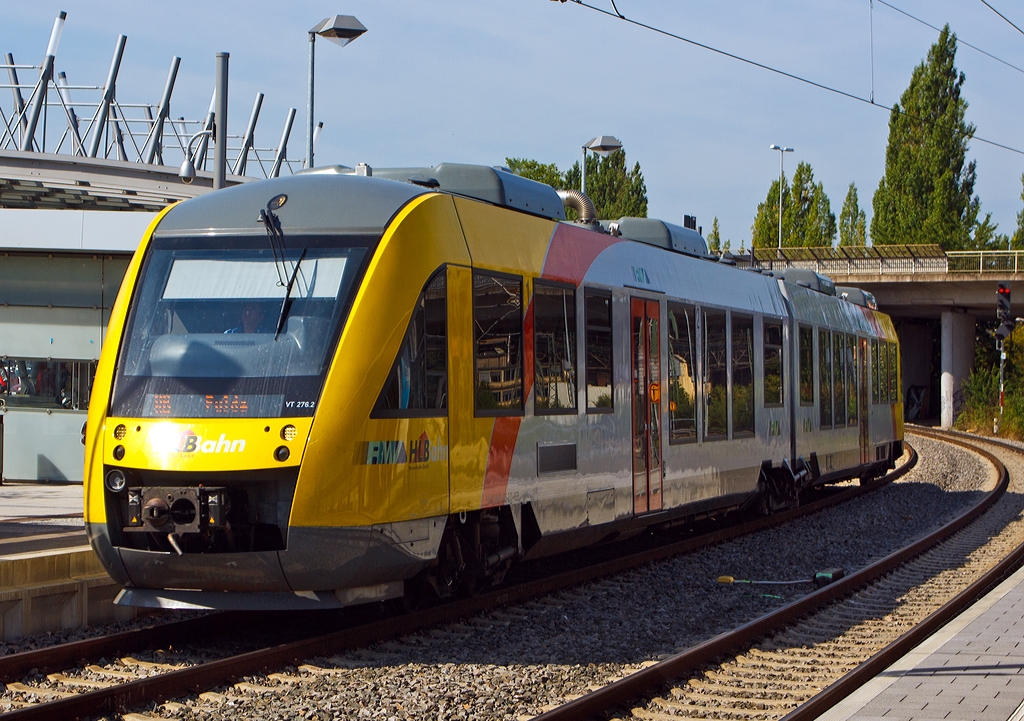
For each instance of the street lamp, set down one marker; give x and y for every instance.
(341, 30)
(782, 155)
(603, 145)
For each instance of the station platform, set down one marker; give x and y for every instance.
(970, 670)
(50, 579)
(39, 500)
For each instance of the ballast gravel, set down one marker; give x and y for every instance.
(516, 662)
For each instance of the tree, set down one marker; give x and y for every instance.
(812, 222)
(927, 192)
(764, 233)
(615, 191)
(986, 237)
(1017, 241)
(852, 220)
(807, 217)
(714, 237)
(541, 172)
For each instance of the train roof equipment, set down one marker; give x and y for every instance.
(857, 296)
(808, 279)
(365, 198)
(658, 233)
(491, 185)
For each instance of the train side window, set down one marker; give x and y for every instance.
(874, 371)
(554, 348)
(806, 341)
(825, 378)
(894, 377)
(883, 372)
(498, 343)
(418, 380)
(682, 374)
(852, 379)
(742, 375)
(773, 374)
(838, 380)
(599, 351)
(716, 376)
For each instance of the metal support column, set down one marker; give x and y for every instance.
(220, 145)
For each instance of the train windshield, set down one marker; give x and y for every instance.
(231, 328)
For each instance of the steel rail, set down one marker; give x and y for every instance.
(654, 677)
(58, 656)
(847, 684)
(220, 672)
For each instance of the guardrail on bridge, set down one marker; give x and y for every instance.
(888, 260)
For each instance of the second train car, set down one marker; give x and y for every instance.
(338, 388)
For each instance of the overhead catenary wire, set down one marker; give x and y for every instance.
(1010, 22)
(769, 68)
(960, 40)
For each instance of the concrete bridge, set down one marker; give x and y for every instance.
(935, 299)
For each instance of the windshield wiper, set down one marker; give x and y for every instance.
(276, 237)
(287, 302)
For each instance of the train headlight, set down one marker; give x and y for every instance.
(282, 453)
(289, 432)
(118, 452)
(120, 432)
(115, 480)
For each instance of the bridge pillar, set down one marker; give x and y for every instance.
(957, 361)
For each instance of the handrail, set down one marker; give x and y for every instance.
(906, 260)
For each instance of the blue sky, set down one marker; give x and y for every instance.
(479, 80)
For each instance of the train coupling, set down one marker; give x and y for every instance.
(177, 510)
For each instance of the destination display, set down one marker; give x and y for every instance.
(180, 405)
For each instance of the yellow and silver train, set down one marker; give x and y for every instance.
(335, 388)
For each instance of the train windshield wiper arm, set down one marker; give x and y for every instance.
(276, 237)
(287, 301)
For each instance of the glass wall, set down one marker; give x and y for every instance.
(48, 384)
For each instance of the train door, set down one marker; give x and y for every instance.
(646, 391)
(864, 401)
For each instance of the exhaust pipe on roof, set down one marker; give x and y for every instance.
(583, 205)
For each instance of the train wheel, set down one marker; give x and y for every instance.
(415, 594)
(448, 573)
(778, 493)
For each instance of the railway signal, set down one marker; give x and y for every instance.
(1003, 311)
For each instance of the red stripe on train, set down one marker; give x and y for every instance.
(571, 252)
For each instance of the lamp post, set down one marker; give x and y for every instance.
(603, 145)
(782, 155)
(341, 30)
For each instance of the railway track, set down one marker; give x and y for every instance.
(800, 660)
(105, 675)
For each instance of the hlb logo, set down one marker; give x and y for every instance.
(190, 443)
(420, 450)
